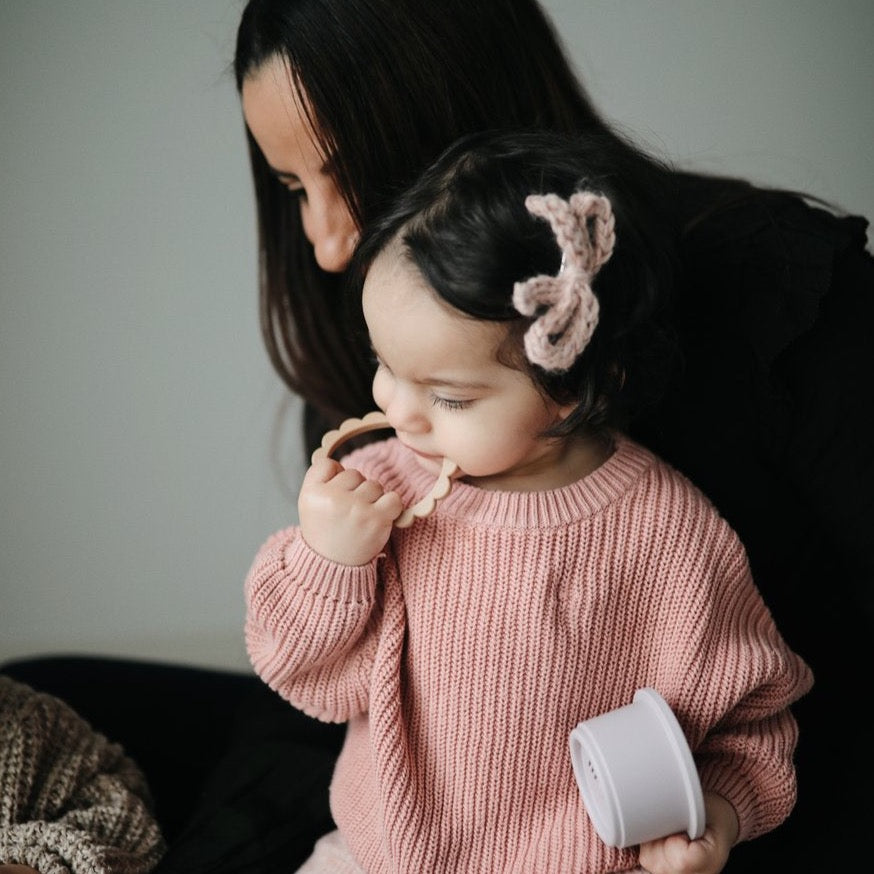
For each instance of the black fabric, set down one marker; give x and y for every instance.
(771, 414)
(769, 411)
(266, 801)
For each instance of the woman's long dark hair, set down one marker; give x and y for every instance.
(391, 84)
(465, 228)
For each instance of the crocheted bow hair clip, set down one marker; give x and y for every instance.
(564, 306)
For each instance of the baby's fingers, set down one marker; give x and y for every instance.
(374, 501)
(322, 470)
(328, 477)
(390, 504)
(677, 854)
(368, 490)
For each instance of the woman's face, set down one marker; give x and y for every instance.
(276, 119)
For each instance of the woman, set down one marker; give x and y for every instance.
(766, 405)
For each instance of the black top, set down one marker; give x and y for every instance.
(771, 407)
(770, 412)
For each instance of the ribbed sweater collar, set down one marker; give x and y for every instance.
(468, 504)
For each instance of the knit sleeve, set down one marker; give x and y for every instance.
(71, 802)
(748, 755)
(742, 680)
(311, 627)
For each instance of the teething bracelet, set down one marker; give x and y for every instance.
(376, 421)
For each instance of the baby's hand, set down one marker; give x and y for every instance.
(343, 516)
(678, 854)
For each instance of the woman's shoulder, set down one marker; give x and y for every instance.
(757, 262)
(735, 221)
(711, 207)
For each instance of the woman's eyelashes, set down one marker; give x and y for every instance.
(291, 184)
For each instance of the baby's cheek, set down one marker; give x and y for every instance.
(380, 389)
(479, 458)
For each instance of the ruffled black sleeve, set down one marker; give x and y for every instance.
(770, 410)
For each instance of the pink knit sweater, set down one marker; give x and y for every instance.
(464, 655)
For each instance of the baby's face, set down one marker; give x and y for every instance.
(442, 388)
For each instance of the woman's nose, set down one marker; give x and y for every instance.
(330, 229)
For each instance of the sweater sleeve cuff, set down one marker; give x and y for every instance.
(334, 582)
(737, 791)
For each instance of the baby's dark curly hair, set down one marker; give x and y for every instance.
(465, 227)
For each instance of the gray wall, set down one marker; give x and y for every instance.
(138, 414)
